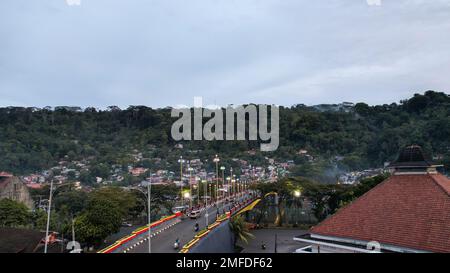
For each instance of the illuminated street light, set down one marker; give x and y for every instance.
(297, 193)
(186, 195)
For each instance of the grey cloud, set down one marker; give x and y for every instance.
(165, 52)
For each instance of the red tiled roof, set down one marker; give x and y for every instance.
(5, 174)
(411, 211)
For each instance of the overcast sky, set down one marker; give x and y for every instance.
(165, 52)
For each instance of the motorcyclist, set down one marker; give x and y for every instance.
(263, 246)
(196, 227)
(176, 245)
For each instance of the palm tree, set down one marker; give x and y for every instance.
(240, 230)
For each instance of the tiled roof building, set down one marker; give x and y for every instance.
(409, 212)
(12, 188)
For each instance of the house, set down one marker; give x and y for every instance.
(408, 212)
(13, 188)
(19, 240)
(138, 171)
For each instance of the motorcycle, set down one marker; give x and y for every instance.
(176, 245)
(196, 228)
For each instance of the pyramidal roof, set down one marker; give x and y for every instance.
(412, 157)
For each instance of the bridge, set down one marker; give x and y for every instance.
(164, 232)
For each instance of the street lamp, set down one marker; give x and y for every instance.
(147, 195)
(149, 190)
(50, 198)
(197, 180)
(222, 168)
(297, 193)
(217, 160)
(181, 161)
(190, 183)
(229, 187)
(231, 175)
(233, 181)
(239, 190)
(186, 195)
(206, 201)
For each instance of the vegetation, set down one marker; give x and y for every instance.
(13, 214)
(326, 198)
(365, 136)
(240, 230)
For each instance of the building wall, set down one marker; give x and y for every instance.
(16, 190)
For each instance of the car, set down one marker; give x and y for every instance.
(179, 209)
(195, 214)
(126, 224)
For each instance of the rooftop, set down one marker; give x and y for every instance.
(408, 211)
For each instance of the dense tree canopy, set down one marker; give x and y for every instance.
(35, 139)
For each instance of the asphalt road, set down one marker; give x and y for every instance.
(184, 231)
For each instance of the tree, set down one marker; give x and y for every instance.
(240, 230)
(123, 200)
(74, 201)
(98, 221)
(13, 214)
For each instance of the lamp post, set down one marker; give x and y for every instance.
(229, 187)
(217, 160)
(48, 216)
(205, 182)
(50, 198)
(190, 183)
(181, 161)
(222, 168)
(147, 194)
(231, 175)
(239, 190)
(149, 190)
(197, 180)
(210, 193)
(233, 180)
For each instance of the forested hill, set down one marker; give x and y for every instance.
(33, 139)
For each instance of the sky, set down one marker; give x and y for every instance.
(166, 52)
